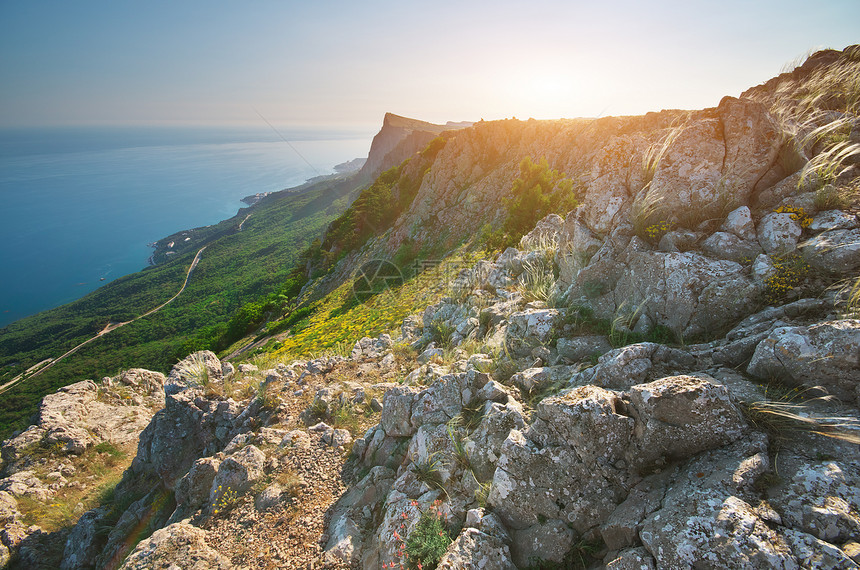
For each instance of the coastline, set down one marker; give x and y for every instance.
(183, 240)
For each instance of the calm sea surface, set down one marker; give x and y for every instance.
(81, 204)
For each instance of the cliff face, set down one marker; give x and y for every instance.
(398, 139)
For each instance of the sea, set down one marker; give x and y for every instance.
(79, 206)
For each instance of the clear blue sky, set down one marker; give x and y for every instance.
(346, 63)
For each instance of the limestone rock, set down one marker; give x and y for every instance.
(545, 234)
(25, 484)
(179, 545)
(786, 188)
(188, 427)
(812, 552)
(724, 245)
(740, 223)
(609, 197)
(193, 489)
(704, 520)
(371, 348)
(145, 380)
(826, 354)
(445, 398)
(577, 245)
(687, 178)
(682, 416)
(588, 419)
(834, 251)
(752, 141)
(529, 329)
(580, 348)
(687, 292)
(821, 498)
(621, 368)
(237, 472)
(544, 541)
(833, 220)
(484, 445)
(762, 268)
(352, 512)
(778, 233)
(194, 370)
(82, 545)
(622, 528)
(678, 240)
(531, 483)
(429, 354)
(474, 550)
(268, 498)
(8, 507)
(536, 379)
(632, 559)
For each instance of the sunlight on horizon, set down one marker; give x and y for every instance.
(300, 64)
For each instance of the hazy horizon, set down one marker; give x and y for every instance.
(345, 64)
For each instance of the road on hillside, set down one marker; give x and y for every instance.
(108, 328)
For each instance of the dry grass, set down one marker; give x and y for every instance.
(790, 412)
(98, 470)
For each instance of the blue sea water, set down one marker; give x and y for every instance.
(78, 205)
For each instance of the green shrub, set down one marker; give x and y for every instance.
(538, 191)
(428, 541)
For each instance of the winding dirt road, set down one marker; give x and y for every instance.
(108, 328)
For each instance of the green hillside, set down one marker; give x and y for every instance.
(236, 268)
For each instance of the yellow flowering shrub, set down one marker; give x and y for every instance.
(797, 214)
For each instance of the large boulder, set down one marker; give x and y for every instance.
(686, 292)
(704, 519)
(821, 498)
(196, 369)
(621, 368)
(189, 426)
(474, 549)
(686, 183)
(530, 329)
(534, 483)
(608, 200)
(177, 543)
(237, 473)
(681, 416)
(752, 141)
(778, 233)
(589, 419)
(825, 354)
(834, 251)
(715, 161)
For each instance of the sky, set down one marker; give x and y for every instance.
(344, 64)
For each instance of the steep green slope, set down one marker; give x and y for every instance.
(236, 267)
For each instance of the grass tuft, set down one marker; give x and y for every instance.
(790, 414)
